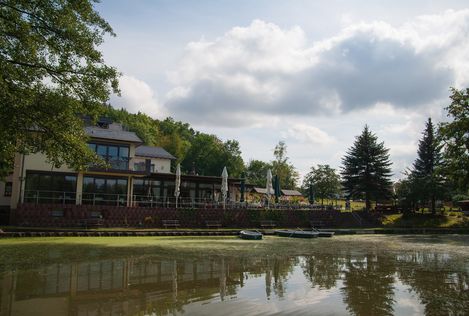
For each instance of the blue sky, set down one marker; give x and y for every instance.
(311, 73)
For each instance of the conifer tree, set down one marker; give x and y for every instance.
(366, 169)
(427, 184)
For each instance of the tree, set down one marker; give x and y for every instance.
(455, 138)
(51, 70)
(286, 172)
(256, 172)
(366, 169)
(325, 182)
(427, 183)
(231, 158)
(209, 155)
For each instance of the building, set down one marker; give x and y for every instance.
(134, 175)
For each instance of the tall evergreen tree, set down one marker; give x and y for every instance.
(427, 182)
(454, 136)
(366, 169)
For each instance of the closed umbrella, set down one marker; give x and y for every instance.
(311, 194)
(224, 185)
(277, 188)
(242, 187)
(268, 186)
(178, 183)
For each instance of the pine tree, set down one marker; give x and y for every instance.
(366, 169)
(427, 182)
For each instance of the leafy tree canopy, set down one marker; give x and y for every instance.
(50, 70)
(366, 169)
(256, 172)
(286, 172)
(324, 180)
(205, 153)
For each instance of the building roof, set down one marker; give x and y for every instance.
(112, 133)
(291, 193)
(153, 152)
(262, 190)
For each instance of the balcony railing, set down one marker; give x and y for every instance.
(104, 199)
(116, 164)
(49, 197)
(63, 197)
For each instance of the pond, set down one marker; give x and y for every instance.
(344, 275)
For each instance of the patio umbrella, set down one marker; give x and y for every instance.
(178, 183)
(224, 185)
(311, 194)
(268, 187)
(277, 188)
(242, 187)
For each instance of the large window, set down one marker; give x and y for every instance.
(104, 191)
(117, 156)
(147, 192)
(50, 188)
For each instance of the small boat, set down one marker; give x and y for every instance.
(297, 233)
(251, 235)
(323, 233)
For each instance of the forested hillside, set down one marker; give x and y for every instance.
(204, 152)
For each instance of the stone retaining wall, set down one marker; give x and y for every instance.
(48, 215)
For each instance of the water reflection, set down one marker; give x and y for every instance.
(347, 282)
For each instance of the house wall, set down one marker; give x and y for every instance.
(38, 162)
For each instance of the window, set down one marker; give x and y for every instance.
(8, 189)
(104, 190)
(56, 188)
(115, 155)
(147, 192)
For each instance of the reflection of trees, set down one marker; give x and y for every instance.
(278, 269)
(441, 291)
(368, 285)
(167, 285)
(322, 270)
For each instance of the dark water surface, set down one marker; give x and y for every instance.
(376, 275)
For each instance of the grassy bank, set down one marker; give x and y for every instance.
(448, 220)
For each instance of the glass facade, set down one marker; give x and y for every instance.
(117, 156)
(50, 188)
(104, 190)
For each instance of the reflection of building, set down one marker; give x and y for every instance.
(120, 287)
(134, 175)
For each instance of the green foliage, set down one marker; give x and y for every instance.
(366, 169)
(286, 172)
(208, 154)
(256, 172)
(204, 152)
(325, 182)
(426, 184)
(459, 197)
(455, 138)
(50, 70)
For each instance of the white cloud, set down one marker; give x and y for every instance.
(138, 96)
(262, 70)
(309, 134)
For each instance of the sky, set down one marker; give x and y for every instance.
(309, 73)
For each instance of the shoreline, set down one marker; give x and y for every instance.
(49, 232)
